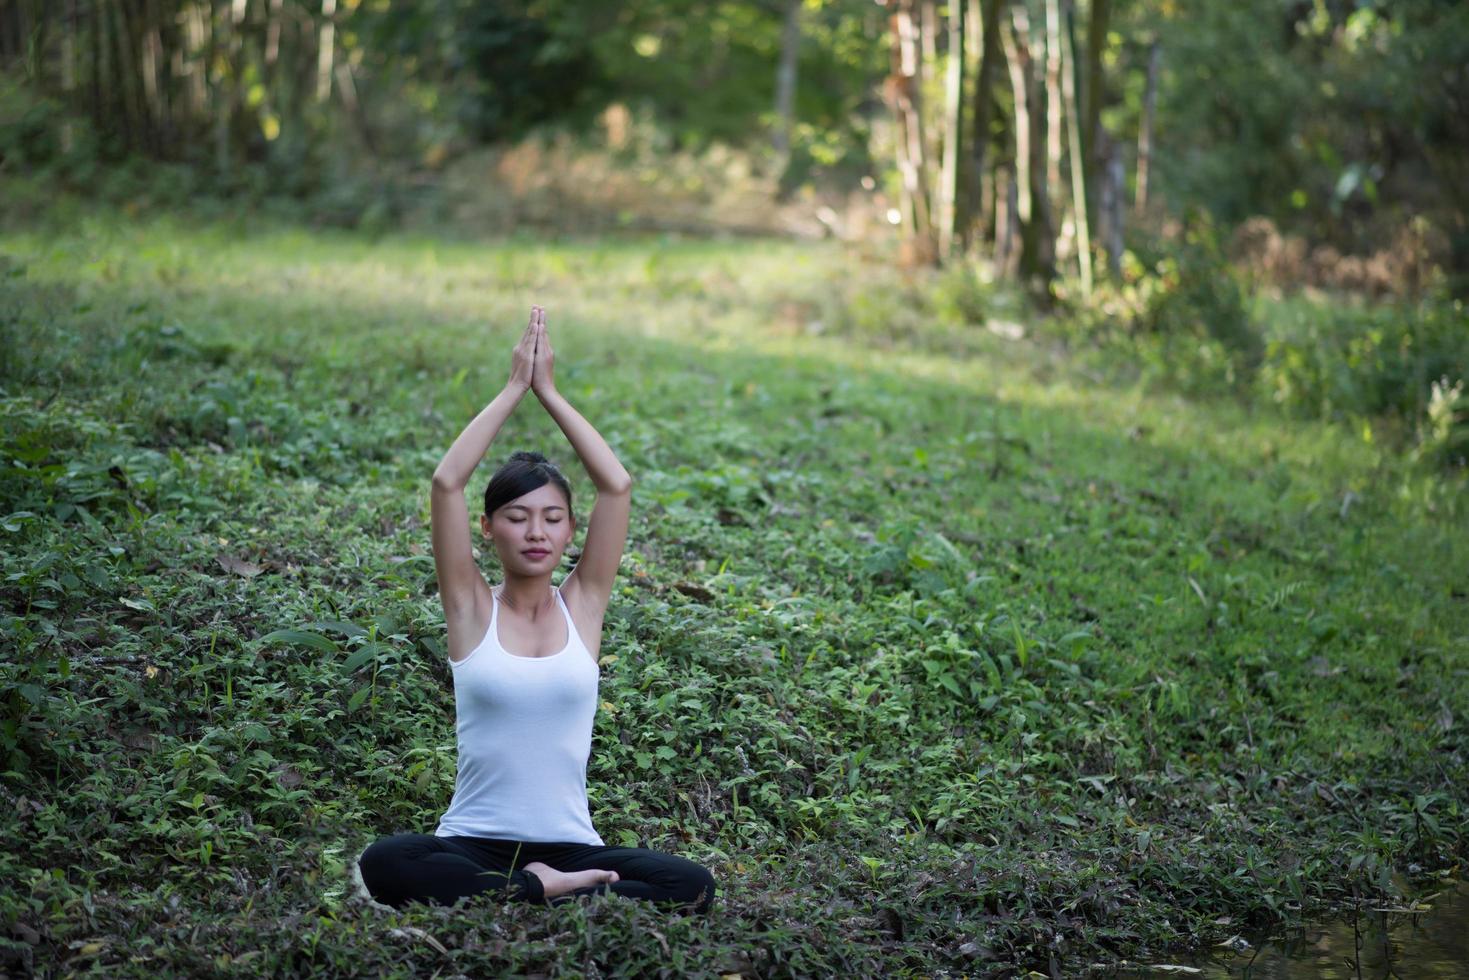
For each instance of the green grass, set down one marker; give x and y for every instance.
(938, 654)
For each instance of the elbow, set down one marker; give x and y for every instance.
(443, 481)
(621, 487)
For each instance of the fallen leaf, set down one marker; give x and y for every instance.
(413, 932)
(238, 566)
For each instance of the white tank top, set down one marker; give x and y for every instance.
(524, 727)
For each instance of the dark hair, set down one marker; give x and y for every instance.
(519, 475)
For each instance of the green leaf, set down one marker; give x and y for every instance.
(346, 629)
(297, 638)
(362, 655)
(13, 522)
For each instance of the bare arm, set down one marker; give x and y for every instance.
(459, 577)
(458, 464)
(590, 582)
(601, 463)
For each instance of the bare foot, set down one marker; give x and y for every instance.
(555, 882)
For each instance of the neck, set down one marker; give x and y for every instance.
(528, 596)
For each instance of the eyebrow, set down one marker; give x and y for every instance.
(524, 507)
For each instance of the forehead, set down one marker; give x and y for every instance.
(547, 497)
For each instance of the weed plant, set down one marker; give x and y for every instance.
(1179, 319)
(943, 658)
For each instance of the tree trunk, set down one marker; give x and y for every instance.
(12, 29)
(1053, 100)
(902, 88)
(1094, 92)
(785, 81)
(1020, 92)
(951, 190)
(227, 92)
(928, 31)
(1109, 210)
(124, 77)
(1032, 209)
(199, 44)
(925, 22)
(98, 115)
(136, 69)
(160, 84)
(989, 60)
(1006, 221)
(71, 37)
(272, 40)
(1145, 131)
(325, 50)
(1077, 154)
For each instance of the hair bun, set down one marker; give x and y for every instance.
(529, 456)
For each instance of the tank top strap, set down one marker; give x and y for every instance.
(573, 638)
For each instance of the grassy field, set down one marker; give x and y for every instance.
(944, 657)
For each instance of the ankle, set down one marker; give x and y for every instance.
(547, 877)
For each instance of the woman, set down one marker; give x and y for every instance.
(524, 660)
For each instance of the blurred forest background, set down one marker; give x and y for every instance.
(1051, 427)
(1147, 167)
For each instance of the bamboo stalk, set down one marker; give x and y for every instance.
(1145, 132)
(954, 131)
(1078, 171)
(325, 52)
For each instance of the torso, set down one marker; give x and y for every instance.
(516, 634)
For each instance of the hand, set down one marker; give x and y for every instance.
(545, 358)
(523, 358)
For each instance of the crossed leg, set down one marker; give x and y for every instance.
(666, 879)
(441, 870)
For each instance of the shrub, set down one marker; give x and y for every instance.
(1404, 363)
(1178, 314)
(959, 295)
(1192, 304)
(1443, 436)
(1339, 363)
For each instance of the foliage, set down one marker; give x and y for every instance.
(1194, 306)
(1387, 370)
(941, 658)
(1443, 435)
(1340, 111)
(1178, 313)
(1334, 361)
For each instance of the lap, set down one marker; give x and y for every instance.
(630, 863)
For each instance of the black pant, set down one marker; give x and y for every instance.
(440, 870)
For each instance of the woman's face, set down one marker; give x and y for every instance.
(531, 532)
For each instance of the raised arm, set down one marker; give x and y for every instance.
(590, 582)
(459, 577)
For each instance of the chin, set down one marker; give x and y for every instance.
(528, 567)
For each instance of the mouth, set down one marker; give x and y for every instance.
(535, 553)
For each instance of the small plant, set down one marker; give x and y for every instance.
(1443, 437)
